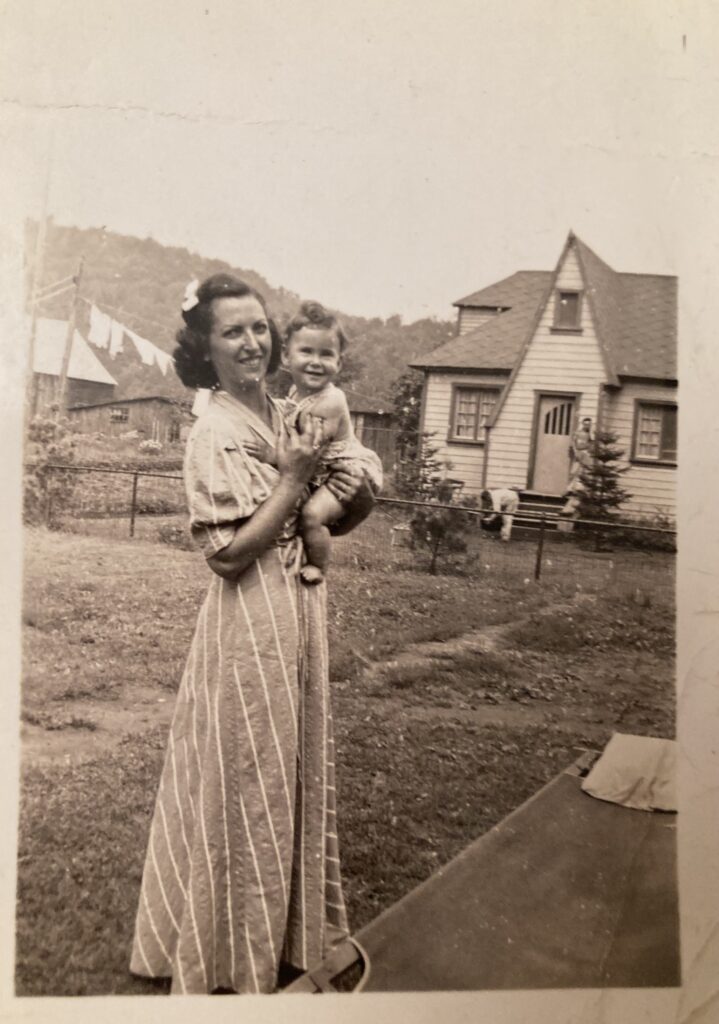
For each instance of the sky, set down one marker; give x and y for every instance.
(382, 156)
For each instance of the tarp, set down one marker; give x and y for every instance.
(566, 892)
(636, 771)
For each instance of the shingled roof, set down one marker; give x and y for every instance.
(635, 318)
(497, 343)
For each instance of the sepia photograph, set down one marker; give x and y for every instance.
(346, 378)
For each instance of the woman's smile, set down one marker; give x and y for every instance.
(240, 342)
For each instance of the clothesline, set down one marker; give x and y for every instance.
(149, 320)
(124, 312)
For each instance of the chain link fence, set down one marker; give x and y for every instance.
(400, 535)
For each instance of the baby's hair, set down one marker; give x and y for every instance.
(314, 314)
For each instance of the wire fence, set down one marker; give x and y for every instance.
(400, 535)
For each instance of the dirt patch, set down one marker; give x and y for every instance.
(85, 728)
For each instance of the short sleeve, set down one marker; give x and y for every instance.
(224, 485)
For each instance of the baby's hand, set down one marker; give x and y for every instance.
(261, 451)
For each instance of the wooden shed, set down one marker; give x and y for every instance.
(373, 424)
(154, 417)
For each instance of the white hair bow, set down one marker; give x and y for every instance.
(191, 300)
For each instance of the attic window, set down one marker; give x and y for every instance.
(568, 310)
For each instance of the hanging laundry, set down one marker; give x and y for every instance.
(164, 360)
(145, 348)
(116, 333)
(100, 327)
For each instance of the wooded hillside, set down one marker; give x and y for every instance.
(140, 283)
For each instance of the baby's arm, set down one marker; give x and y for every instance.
(331, 407)
(260, 450)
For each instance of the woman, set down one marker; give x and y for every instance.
(242, 867)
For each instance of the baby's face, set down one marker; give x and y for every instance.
(313, 357)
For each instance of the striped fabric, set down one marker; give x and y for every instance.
(242, 867)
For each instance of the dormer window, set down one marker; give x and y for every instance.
(568, 310)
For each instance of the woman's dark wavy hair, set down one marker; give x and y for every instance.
(192, 354)
(314, 314)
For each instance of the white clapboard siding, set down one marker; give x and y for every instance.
(553, 362)
(652, 488)
(466, 459)
(469, 319)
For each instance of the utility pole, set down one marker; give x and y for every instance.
(38, 267)
(72, 320)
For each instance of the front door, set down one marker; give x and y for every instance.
(554, 431)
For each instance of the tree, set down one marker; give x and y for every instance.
(406, 396)
(439, 529)
(601, 494)
(421, 476)
(410, 446)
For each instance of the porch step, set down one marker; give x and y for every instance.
(534, 506)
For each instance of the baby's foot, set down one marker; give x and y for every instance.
(311, 574)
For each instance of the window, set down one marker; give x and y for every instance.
(471, 410)
(567, 310)
(119, 414)
(655, 437)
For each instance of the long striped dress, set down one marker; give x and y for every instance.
(242, 866)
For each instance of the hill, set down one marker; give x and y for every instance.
(140, 283)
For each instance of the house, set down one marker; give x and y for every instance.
(87, 378)
(373, 424)
(155, 417)
(540, 350)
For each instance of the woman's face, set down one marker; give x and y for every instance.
(240, 342)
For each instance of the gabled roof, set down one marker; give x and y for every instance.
(498, 342)
(49, 349)
(635, 318)
(636, 315)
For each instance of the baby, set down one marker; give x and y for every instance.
(312, 353)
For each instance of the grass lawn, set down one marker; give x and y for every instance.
(436, 742)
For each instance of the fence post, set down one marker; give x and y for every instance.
(49, 502)
(133, 506)
(540, 547)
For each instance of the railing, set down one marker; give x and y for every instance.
(555, 545)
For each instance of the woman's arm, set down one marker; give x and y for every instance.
(353, 490)
(297, 456)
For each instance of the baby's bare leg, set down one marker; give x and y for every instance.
(321, 509)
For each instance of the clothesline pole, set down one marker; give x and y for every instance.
(37, 273)
(62, 398)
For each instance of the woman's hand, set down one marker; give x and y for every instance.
(355, 493)
(345, 484)
(299, 453)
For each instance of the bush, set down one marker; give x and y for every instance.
(645, 540)
(441, 531)
(47, 492)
